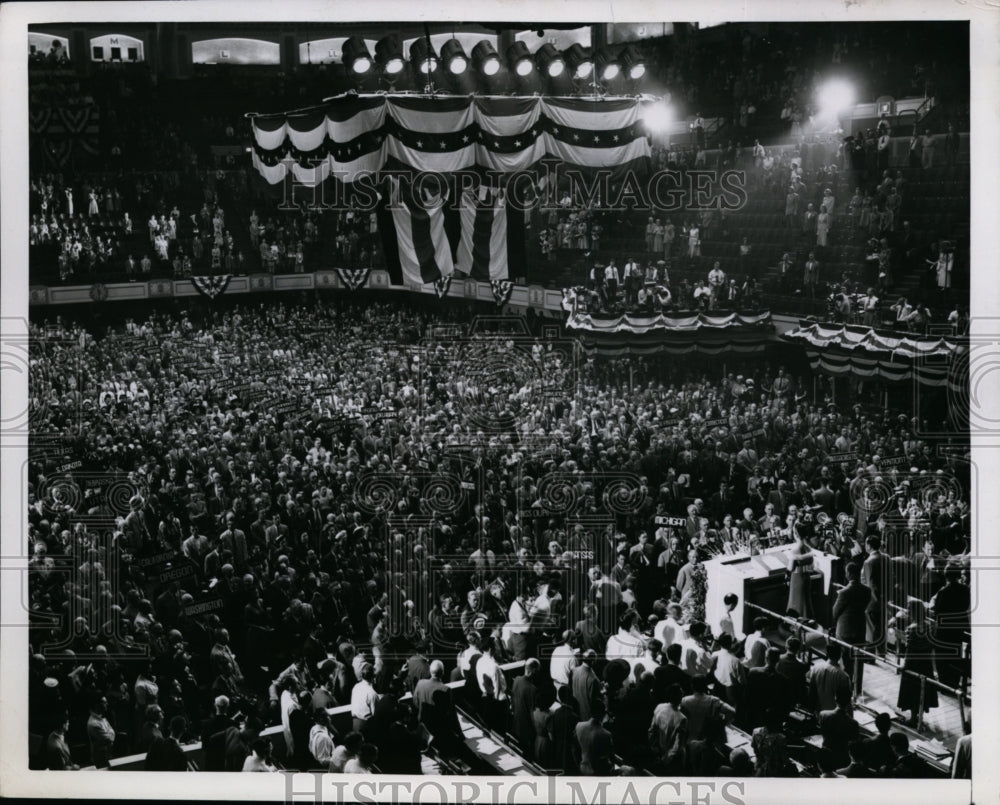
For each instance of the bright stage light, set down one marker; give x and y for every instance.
(453, 54)
(578, 62)
(356, 57)
(422, 55)
(607, 68)
(835, 96)
(519, 59)
(550, 61)
(657, 117)
(485, 57)
(389, 54)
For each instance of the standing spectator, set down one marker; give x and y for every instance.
(166, 754)
(595, 744)
(611, 282)
(524, 692)
(791, 208)
(927, 150)
(811, 275)
(586, 685)
(952, 145)
(668, 733)
(827, 681)
(839, 730)
(694, 242)
(771, 748)
(822, 227)
(100, 733)
(363, 699)
(850, 615)
(57, 752)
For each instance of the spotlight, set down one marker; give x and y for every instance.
(835, 96)
(355, 55)
(579, 63)
(606, 67)
(389, 54)
(453, 55)
(485, 57)
(422, 54)
(657, 116)
(519, 59)
(632, 62)
(550, 60)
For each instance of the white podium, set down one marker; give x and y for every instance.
(760, 580)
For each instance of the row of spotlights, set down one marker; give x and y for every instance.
(548, 60)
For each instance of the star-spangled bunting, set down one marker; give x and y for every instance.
(442, 286)
(356, 134)
(211, 286)
(354, 278)
(502, 289)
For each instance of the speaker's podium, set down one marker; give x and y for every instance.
(762, 580)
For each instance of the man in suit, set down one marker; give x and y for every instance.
(850, 616)
(877, 750)
(212, 733)
(436, 707)
(793, 670)
(562, 730)
(857, 767)
(595, 743)
(100, 733)
(767, 689)
(589, 632)
(839, 730)
(524, 691)
(905, 764)
(585, 684)
(779, 498)
(827, 681)
(166, 754)
(417, 665)
(875, 575)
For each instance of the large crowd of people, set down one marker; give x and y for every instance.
(305, 527)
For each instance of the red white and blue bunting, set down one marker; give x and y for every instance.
(354, 278)
(211, 286)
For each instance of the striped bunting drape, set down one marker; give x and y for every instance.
(355, 134)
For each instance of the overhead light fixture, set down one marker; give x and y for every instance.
(355, 55)
(486, 58)
(453, 55)
(389, 54)
(632, 62)
(578, 62)
(550, 60)
(422, 54)
(519, 59)
(607, 68)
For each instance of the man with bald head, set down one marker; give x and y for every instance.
(435, 705)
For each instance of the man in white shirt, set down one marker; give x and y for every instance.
(633, 279)
(695, 660)
(755, 648)
(320, 742)
(363, 699)
(491, 680)
(668, 630)
(611, 280)
(728, 672)
(564, 660)
(626, 644)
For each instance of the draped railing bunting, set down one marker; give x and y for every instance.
(869, 339)
(355, 134)
(680, 322)
(859, 351)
